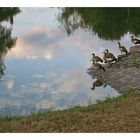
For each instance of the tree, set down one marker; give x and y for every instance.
(6, 40)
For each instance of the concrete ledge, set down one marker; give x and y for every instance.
(123, 74)
(135, 49)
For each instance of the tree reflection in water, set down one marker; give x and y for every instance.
(107, 23)
(6, 40)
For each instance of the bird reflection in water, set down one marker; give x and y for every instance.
(97, 83)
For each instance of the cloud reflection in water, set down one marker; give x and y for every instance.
(50, 67)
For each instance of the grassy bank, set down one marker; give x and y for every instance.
(120, 114)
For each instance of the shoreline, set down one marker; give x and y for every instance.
(118, 114)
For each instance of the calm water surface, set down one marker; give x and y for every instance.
(47, 68)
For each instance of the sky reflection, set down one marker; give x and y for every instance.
(47, 68)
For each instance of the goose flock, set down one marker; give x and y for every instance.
(109, 57)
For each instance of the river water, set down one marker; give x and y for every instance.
(47, 66)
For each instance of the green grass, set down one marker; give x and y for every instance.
(118, 114)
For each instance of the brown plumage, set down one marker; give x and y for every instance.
(109, 55)
(135, 40)
(98, 67)
(122, 49)
(96, 58)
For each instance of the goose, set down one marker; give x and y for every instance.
(135, 40)
(96, 58)
(122, 49)
(109, 55)
(98, 67)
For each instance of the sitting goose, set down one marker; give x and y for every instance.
(98, 67)
(122, 49)
(135, 40)
(109, 55)
(96, 58)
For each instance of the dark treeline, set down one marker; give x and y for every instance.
(107, 23)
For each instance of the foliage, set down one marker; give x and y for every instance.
(6, 40)
(107, 23)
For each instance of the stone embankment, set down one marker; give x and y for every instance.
(123, 74)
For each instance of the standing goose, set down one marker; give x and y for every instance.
(135, 40)
(122, 49)
(96, 58)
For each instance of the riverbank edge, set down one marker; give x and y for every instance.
(52, 121)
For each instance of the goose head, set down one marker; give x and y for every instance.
(106, 51)
(132, 37)
(93, 54)
(119, 43)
